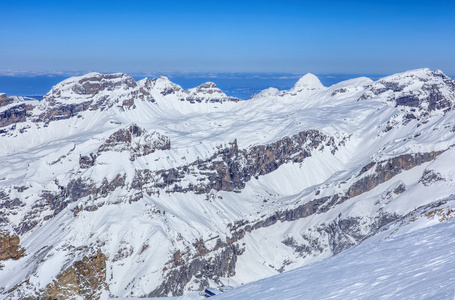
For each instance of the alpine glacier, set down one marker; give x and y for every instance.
(115, 188)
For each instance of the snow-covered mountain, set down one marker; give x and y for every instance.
(115, 188)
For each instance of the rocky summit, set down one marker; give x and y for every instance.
(111, 187)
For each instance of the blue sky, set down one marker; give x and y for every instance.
(373, 37)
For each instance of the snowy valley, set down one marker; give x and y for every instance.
(115, 188)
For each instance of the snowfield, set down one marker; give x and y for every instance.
(115, 188)
(414, 265)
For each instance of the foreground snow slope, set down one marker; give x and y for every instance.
(411, 261)
(115, 188)
(417, 264)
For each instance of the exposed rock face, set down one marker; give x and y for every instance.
(201, 269)
(165, 86)
(54, 202)
(92, 93)
(388, 169)
(338, 235)
(430, 177)
(13, 115)
(98, 82)
(4, 100)
(87, 161)
(135, 140)
(85, 278)
(8, 206)
(207, 92)
(10, 246)
(64, 111)
(230, 168)
(424, 89)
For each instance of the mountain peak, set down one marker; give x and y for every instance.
(166, 86)
(421, 88)
(91, 84)
(208, 85)
(308, 82)
(104, 168)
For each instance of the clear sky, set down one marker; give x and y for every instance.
(346, 36)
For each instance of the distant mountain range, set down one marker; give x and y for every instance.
(112, 187)
(240, 85)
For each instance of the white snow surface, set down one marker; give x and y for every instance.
(140, 237)
(414, 265)
(410, 262)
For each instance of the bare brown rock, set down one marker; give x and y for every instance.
(10, 246)
(4, 100)
(86, 278)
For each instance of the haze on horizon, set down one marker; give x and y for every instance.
(379, 36)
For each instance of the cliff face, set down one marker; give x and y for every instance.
(115, 187)
(10, 247)
(86, 278)
(229, 169)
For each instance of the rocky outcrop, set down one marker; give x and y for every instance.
(385, 170)
(229, 169)
(91, 85)
(13, 115)
(430, 177)
(87, 161)
(86, 278)
(9, 205)
(53, 202)
(10, 247)
(423, 89)
(338, 235)
(93, 91)
(203, 268)
(209, 93)
(64, 111)
(5, 100)
(165, 86)
(135, 140)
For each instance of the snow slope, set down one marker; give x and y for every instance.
(411, 265)
(161, 191)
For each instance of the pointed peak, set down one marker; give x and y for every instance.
(162, 79)
(165, 86)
